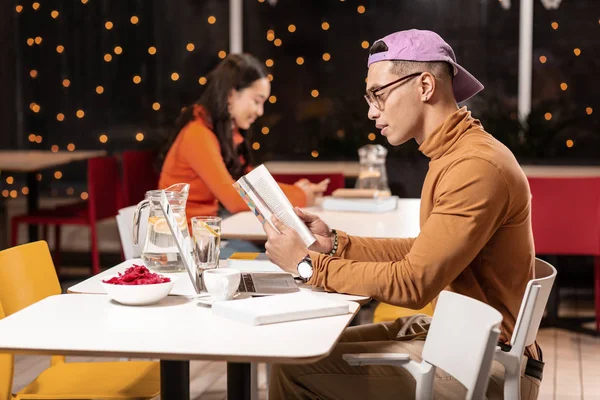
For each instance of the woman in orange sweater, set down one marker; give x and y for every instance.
(208, 148)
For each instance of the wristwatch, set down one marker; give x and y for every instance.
(305, 268)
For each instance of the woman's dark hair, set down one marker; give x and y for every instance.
(236, 71)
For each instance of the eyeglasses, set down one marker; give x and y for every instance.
(373, 98)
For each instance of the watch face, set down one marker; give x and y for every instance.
(305, 270)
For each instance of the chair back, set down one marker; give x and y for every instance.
(462, 339)
(125, 225)
(103, 187)
(139, 175)
(533, 305)
(27, 275)
(336, 180)
(6, 371)
(565, 215)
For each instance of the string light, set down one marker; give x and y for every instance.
(60, 117)
(70, 191)
(30, 42)
(364, 44)
(54, 148)
(118, 50)
(33, 73)
(156, 106)
(31, 137)
(13, 194)
(554, 25)
(372, 136)
(10, 180)
(36, 108)
(38, 139)
(300, 60)
(271, 77)
(174, 76)
(84, 1)
(54, 14)
(71, 147)
(326, 56)
(134, 20)
(152, 50)
(19, 8)
(589, 110)
(137, 79)
(292, 28)
(577, 51)
(108, 25)
(60, 48)
(80, 114)
(564, 86)
(66, 83)
(99, 89)
(35, 6)
(38, 40)
(361, 9)
(256, 145)
(84, 196)
(277, 42)
(107, 57)
(25, 190)
(314, 93)
(202, 80)
(265, 130)
(103, 138)
(269, 63)
(325, 26)
(548, 116)
(570, 143)
(270, 35)
(212, 20)
(57, 175)
(314, 153)
(190, 47)
(222, 54)
(139, 136)
(272, 99)
(543, 59)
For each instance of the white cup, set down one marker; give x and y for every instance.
(221, 283)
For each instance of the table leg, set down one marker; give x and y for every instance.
(32, 203)
(174, 380)
(238, 381)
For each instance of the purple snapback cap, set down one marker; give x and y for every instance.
(419, 45)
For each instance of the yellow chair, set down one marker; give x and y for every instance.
(387, 312)
(27, 275)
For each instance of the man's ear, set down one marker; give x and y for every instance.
(427, 86)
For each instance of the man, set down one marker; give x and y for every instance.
(475, 237)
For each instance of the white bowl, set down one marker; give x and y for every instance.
(138, 295)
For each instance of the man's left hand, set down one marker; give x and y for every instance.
(285, 249)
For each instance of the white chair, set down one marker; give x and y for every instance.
(470, 326)
(125, 225)
(526, 328)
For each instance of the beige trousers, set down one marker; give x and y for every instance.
(332, 378)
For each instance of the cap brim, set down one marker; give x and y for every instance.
(465, 85)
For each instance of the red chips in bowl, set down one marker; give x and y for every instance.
(137, 275)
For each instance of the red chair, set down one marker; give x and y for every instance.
(566, 221)
(139, 175)
(336, 180)
(103, 182)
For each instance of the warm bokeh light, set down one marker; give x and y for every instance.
(212, 19)
(84, 196)
(300, 60)
(314, 93)
(265, 130)
(19, 8)
(54, 148)
(554, 25)
(548, 116)
(103, 138)
(38, 40)
(54, 14)
(57, 175)
(134, 20)
(326, 56)
(70, 191)
(174, 76)
(60, 117)
(13, 194)
(30, 42)
(325, 26)
(564, 86)
(25, 190)
(271, 77)
(139, 136)
(108, 25)
(66, 83)
(156, 106)
(10, 180)
(31, 137)
(589, 110)
(277, 42)
(137, 79)
(543, 59)
(118, 50)
(292, 28)
(80, 114)
(35, 6)
(152, 50)
(577, 51)
(71, 147)
(190, 47)
(107, 57)
(570, 143)
(38, 139)
(33, 73)
(314, 153)
(269, 63)
(372, 136)
(272, 99)
(222, 54)
(99, 89)
(202, 80)
(5, 193)
(60, 48)
(256, 145)
(361, 9)
(364, 44)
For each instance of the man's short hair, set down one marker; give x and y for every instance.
(440, 69)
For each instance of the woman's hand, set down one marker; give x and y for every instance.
(311, 190)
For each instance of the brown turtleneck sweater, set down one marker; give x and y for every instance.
(475, 237)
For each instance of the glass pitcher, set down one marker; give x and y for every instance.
(160, 253)
(372, 173)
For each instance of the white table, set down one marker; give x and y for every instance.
(175, 329)
(32, 161)
(403, 222)
(183, 285)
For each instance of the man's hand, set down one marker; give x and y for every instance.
(320, 229)
(285, 249)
